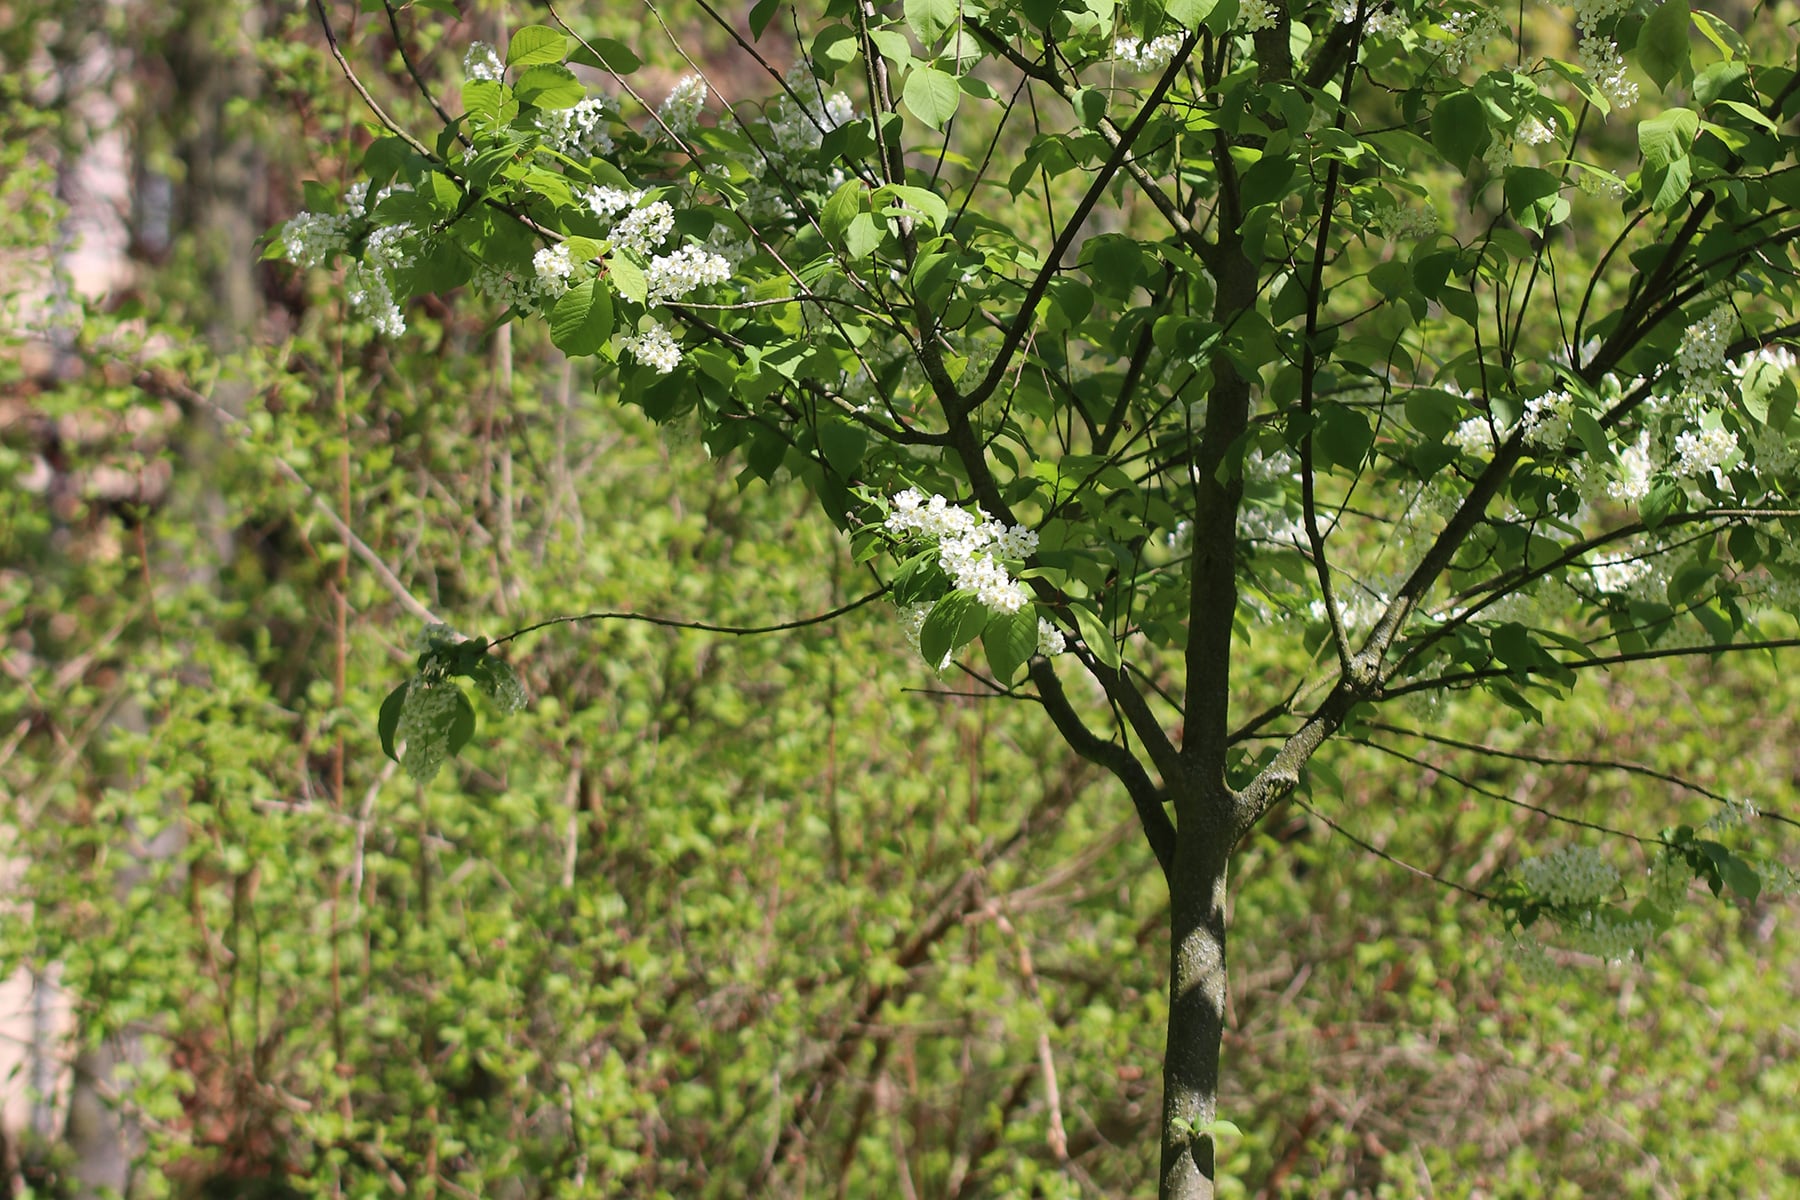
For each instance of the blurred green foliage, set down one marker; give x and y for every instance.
(710, 900)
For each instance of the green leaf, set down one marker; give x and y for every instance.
(932, 95)
(1189, 13)
(1343, 435)
(843, 445)
(930, 19)
(549, 86)
(1715, 79)
(1665, 138)
(844, 204)
(1662, 45)
(1534, 198)
(627, 277)
(536, 44)
(925, 202)
(954, 622)
(1010, 639)
(1737, 874)
(1090, 106)
(582, 319)
(1459, 128)
(761, 15)
(1663, 501)
(389, 719)
(606, 55)
(1096, 637)
(462, 724)
(863, 235)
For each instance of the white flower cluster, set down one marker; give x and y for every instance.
(309, 239)
(1148, 56)
(1570, 876)
(369, 283)
(1635, 470)
(672, 276)
(505, 288)
(1401, 224)
(1254, 16)
(1050, 639)
(1535, 132)
(1386, 23)
(1358, 608)
(1606, 938)
(1474, 436)
(554, 269)
(680, 111)
(1472, 31)
(642, 229)
(312, 239)
(1703, 452)
(1605, 68)
(655, 347)
(797, 128)
(1730, 815)
(1590, 13)
(1701, 358)
(482, 63)
(580, 129)
(971, 546)
(1612, 576)
(1598, 183)
(1546, 420)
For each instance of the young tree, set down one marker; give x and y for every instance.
(1121, 337)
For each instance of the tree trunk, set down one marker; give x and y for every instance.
(1196, 1010)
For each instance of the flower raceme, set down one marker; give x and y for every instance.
(971, 547)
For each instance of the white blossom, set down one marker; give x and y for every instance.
(672, 276)
(503, 287)
(1546, 420)
(1474, 436)
(644, 229)
(369, 283)
(1614, 575)
(580, 129)
(1535, 132)
(309, 239)
(605, 201)
(655, 347)
(971, 546)
(1635, 471)
(1703, 452)
(1401, 224)
(1153, 55)
(1701, 358)
(680, 111)
(1472, 31)
(483, 64)
(1599, 183)
(1606, 937)
(1570, 876)
(1590, 13)
(798, 127)
(1731, 814)
(554, 269)
(1257, 15)
(1051, 641)
(1605, 68)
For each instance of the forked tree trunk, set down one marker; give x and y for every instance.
(1196, 1011)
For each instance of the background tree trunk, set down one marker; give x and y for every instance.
(1196, 1009)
